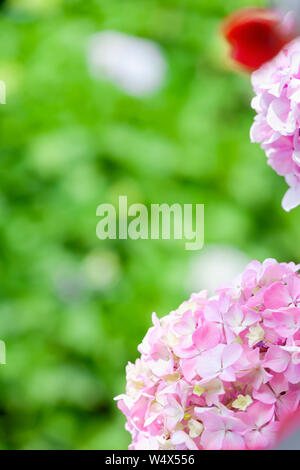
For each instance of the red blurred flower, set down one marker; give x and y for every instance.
(256, 35)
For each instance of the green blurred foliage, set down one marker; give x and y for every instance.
(73, 309)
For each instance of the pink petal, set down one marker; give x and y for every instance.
(186, 325)
(291, 198)
(212, 421)
(182, 438)
(231, 354)
(212, 440)
(256, 441)
(261, 413)
(287, 322)
(251, 316)
(278, 116)
(293, 373)
(228, 375)
(235, 316)
(279, 384)
(276, 359)
(294, 287)
(265, 395)
(206, 337)
(212, 312)
(276, 296)
(288, 403)
(209, 362)
(188, 367)
(233, 441)
(281, 161)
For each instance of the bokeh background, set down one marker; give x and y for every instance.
(73, 308)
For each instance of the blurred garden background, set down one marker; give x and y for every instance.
(73, 308)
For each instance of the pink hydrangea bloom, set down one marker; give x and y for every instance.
(220, 372)
(277, 123)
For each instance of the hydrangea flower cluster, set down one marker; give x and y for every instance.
(220, 372)
(277, 123)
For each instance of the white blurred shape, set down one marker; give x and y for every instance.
(288, 6)
(69, 285)
(102, 270)
(214, 267)
(291, 443)
(136, 65)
